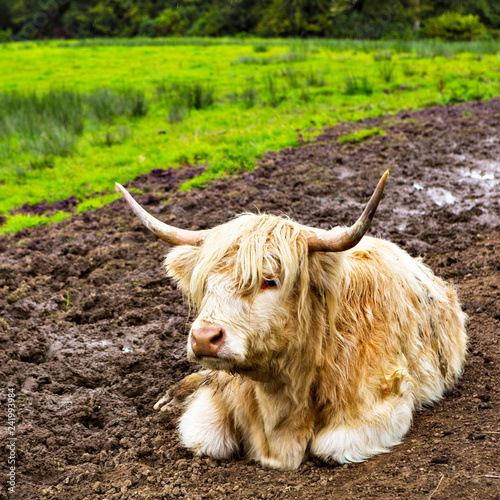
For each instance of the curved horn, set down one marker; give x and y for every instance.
(170, 234)
(340, 239)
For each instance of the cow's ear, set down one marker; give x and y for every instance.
(180, 263)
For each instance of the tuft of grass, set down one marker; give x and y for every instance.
(177, 110)
(441, 84)
(260, 47)
(275, 94)
(200, 96)
(244, 158)
(106, 104)
(137, 103)
(315, 79)
(111, 136)
(408, 69)
(354, 84)
(386, 71)
(292, 76)
(245, 59)
(20, 221)
(96, 202)
(35, 127)
(361, 135)
(185, 97)
(382, 56)
(40, 125)
(304, 95)
(296, 55)
(250, 95)
(41, 163)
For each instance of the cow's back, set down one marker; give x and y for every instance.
(400, 317)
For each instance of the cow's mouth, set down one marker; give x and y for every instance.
(232, 366)
(216, 363)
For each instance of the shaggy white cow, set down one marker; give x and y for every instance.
(315, 342)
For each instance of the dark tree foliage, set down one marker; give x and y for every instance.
(30, 19)
(5, 15)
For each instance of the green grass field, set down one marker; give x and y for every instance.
(76, 117)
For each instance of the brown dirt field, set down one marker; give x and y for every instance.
(92, 332)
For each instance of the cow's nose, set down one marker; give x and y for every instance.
(207, 340)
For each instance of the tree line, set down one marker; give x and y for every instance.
(363, 19)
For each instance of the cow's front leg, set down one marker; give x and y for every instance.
(283, 450)
(207, 427)
(276, 439)
(175, 397)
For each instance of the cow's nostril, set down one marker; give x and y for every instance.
(217, 339)
(207, 340)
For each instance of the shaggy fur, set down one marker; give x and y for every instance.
(332, 361)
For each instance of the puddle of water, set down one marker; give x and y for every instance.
(491, 140)
(475, 174)
(485, 179)
(488, 165)
(441, 196)
(485, 171)
(98, 344)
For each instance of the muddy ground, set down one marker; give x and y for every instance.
(92, 332)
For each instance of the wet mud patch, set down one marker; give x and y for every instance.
(92, 332)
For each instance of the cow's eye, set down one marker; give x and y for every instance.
(269, 284)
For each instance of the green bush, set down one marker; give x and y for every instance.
(148, 27)
(455, 26)
(5, 35)
(169, 23)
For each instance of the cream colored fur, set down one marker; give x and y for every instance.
(332, 362)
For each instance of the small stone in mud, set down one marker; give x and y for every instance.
(484, 406)
(211, 462)
(97, 487)
(476, 436)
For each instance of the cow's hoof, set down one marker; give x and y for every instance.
(167, 402)
(281, 465)
(177, 394)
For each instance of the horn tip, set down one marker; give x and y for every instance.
(382, 181)
(119, 187)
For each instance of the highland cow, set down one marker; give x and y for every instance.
(315, 342)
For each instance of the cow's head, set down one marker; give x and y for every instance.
(251, 281)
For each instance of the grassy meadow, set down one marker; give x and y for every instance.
(76, 117)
